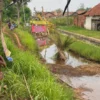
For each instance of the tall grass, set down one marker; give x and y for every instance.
(86, 50)
(27, 40)
(41, 83)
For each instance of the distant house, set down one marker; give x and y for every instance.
(79, 18)
(92, 21)
(50, 14)
(68, 14)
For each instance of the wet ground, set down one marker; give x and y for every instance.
(82, 75)
(72, 60)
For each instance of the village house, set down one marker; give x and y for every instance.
(88, 19)
(79, 18)
(92, 21)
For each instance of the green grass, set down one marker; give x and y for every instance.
(42, 84)
(86, 50)
(82, 31)
(62, 21)
(27, 40)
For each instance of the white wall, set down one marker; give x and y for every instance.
(88, 23)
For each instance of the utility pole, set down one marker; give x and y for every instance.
(67, 16)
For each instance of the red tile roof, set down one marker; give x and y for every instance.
(95, 11)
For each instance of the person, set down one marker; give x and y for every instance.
(12, 26)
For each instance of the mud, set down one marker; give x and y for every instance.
(88, 70)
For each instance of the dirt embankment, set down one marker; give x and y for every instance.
(87, 70)
(81, 37)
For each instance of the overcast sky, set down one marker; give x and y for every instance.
(50, 5)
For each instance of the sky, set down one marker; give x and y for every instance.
(51, 5)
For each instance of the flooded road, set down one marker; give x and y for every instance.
(72, 60)
(89, 84)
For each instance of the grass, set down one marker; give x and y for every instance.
(62, 21)
(42, 84)
(86, 50)
(82, 31)
(27, 40)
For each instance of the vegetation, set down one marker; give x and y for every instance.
(27, 40)
(88, 51)
(78, 30)
(41, 83)
(62, 43)
(62, 21)
(15, 12)
(85, 50)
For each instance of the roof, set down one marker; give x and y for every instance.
(69, 13)
(95, 11)
(79, 12)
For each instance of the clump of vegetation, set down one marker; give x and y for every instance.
(62, 43)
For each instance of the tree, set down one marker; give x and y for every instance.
(58, 10)
(27, 14)
(8, 12)
(82, 7)
(20, 3)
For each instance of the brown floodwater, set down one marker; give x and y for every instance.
(71, 59)
(90, 84)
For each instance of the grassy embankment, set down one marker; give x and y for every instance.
(86, 50)
(41, 83)
(81, 31)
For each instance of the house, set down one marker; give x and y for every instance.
(50, 14)
(79, 18)
(92, 21)
(68, 14)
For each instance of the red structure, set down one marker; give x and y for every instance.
(79, 18)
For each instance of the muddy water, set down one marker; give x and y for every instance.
(90, 85)
(72, 60)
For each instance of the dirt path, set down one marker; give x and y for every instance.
(81, 37)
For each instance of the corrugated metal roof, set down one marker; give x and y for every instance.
(95, 11)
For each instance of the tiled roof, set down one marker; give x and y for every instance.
(95, 11)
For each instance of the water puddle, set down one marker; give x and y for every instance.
(71, 60)
(90, 84)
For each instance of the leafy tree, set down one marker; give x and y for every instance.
(82, 7)
(14, 11)
(27, 14)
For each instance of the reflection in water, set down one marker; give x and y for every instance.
(90, 83)
(71, 59)
(74, 61)
(50, 52)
